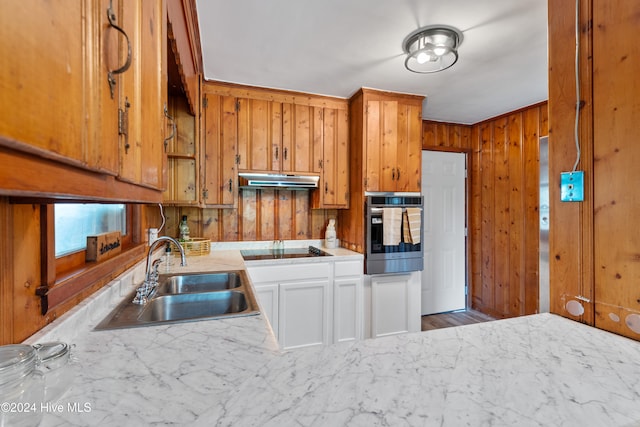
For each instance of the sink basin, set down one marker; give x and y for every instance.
(169, 308)
(198, 282)
(187, 297)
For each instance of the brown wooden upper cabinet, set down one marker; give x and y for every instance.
(67, 84)
(260, 136)
(389, 127)
(143, 94)
(334, 163)
(219, 158)
(276, 137)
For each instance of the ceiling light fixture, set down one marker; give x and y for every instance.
(431, 49)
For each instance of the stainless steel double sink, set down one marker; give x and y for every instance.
(187, 297)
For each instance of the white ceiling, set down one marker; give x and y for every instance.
(335, 47)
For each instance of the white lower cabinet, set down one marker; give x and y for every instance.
(395, 304)
(304, 312)
(311, 304)
(267, 294)
(347, 301)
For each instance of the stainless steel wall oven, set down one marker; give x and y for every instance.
(400, 256)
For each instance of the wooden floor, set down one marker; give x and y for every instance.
(454, 318)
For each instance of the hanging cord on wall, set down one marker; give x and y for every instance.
(163, 218)
(577, 66)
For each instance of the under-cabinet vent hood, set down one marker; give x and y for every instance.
(288, 182)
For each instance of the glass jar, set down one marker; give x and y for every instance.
(21, 386)
(55, 365)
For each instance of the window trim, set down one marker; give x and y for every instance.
(67, 264)
(82, 277)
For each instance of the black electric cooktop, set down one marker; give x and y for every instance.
(263, 254)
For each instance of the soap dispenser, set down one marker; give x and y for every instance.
(184, 229)
(330, 241)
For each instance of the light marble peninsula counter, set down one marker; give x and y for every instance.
(539, 370)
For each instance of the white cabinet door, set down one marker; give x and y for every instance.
(390, 305)
(267, 295)
(304, 314)
(347, 309)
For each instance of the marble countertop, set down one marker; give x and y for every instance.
(536, 370)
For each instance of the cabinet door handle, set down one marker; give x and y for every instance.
(284, 153)
(173, 127)
(230, 185)
(111, 16)
(393, 174)
(276, 153)
(398, 174)
(326, 188)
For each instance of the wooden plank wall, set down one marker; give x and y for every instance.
(571, 224)
(616, 92)
(261, 215)
(503, 191)
(594, 244)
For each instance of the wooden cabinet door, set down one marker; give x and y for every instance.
(381, 145)
(393, 146)
(409, 149)
(334, 177)
(259, 135)
(301, 138)
(153, 86)
(143, 94)
(220, 144)
(45, 78)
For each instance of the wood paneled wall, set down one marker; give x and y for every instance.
(502, 211)
(594, 244)
(261, 215)
(571, 224)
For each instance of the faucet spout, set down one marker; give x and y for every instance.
(144, 292)
(152, 246)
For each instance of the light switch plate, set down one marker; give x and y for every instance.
(572, 186)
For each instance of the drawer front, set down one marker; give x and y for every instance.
(286, 272)
(349, 268)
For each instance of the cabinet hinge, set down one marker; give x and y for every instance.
(205, 194)
(237, 159)
(366, 182)
(237, 105)
(205, 102)
(123, 123)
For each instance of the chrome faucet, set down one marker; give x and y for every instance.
(148, 287)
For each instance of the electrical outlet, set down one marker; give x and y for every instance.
(572, 186)
(153, 235)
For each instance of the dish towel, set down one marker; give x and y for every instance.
(392, 226)
(415, 224)
(406, 232)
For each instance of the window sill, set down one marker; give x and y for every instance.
(76, 285)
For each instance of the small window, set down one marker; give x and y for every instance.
(74, 222)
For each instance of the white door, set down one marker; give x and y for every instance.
(443, 187)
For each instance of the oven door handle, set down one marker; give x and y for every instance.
(379, 210)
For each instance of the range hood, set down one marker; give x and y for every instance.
(285, 182)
